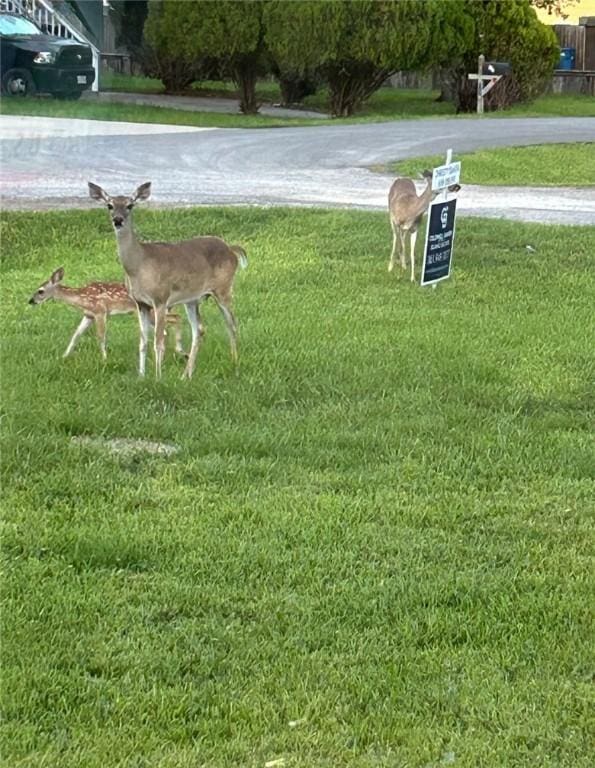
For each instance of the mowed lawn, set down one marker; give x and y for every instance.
(373, 547)
(548, 165)
(386, 104)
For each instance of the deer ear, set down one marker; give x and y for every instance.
(97, 193)
(143, 192)
(57, 276)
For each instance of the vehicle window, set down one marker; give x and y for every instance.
(16, 25)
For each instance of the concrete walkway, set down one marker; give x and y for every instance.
(195, 104)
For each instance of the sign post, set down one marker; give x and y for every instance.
(440, 230)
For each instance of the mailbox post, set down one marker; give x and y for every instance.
(488, 72)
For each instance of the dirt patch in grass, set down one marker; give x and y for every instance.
(126, 445)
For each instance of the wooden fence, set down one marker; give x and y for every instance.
(582, 38)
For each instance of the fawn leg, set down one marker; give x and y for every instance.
(100, 325)
(175, 320)
(85, 323)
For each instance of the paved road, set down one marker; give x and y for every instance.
(45, 163)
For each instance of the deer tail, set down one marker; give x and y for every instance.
(241, 254)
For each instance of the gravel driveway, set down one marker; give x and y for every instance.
(46, 162)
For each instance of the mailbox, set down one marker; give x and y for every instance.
(495, 68)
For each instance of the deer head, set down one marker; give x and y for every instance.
(48, 289)
(120, 207)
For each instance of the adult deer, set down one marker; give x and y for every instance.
(161, 275)
(406, 209)
(97, 301)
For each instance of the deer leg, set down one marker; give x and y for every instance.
(224, 304)
(391, 263)
(85, 323)
(144, 322)
(196, 328)
(412, 245)
(403, 252)
(100, 325)
(160, 313)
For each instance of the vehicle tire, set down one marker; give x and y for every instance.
(68, 95)
(18, 82)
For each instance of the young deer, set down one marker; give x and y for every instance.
(161, 275)
(406, 209)
(97, 301)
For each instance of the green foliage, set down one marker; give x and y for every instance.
(295, 36)
(389, 35)
(129, 17)
(223, 29)
(164, 27)
(369, 42)
(355, 44)
(166, 57)
(452, 33)
(296, 33)
(227, 34)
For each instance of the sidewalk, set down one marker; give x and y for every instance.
(194, 104)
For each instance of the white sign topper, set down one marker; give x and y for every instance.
(446, 175)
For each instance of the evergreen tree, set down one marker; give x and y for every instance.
(354, 44)
(229, 32)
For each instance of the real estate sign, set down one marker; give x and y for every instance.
(446, 175)
(439, 241)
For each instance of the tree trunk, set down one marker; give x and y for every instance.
(447, 85)
(245, 76)
(294, 88)
(351, 84)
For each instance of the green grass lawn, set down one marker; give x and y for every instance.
(543, 165)
(385, 104)
(373, 548)
(115, 81)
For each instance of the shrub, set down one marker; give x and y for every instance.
(203, 35)
(506, 30)
(355, 45)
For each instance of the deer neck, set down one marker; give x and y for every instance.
(425, 198)
(67, 295)
(129, 249)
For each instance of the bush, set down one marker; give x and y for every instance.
(162, 54)
(506, 30)
(194, 38)
(354, 45)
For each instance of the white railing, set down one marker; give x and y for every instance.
(51, 20)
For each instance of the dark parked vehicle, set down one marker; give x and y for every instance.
(32, 61)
